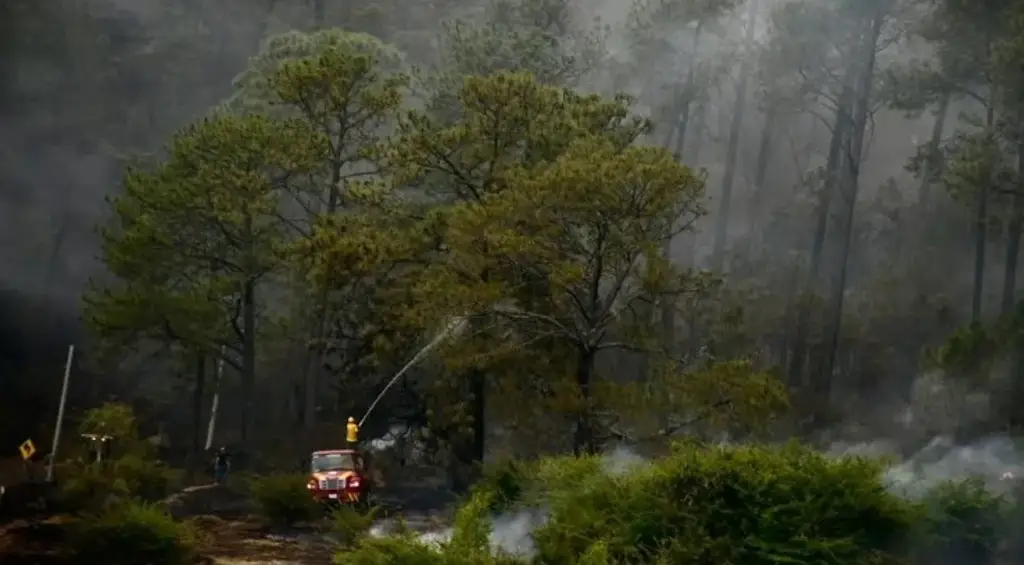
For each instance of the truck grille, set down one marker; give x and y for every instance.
(332, 484)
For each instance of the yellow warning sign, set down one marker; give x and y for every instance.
(27, 449)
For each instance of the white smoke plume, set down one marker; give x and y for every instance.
(993, 459)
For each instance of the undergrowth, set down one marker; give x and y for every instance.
(721, 505)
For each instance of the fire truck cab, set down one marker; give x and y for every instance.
(339, 476)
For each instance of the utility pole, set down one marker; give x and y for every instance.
(60, 413)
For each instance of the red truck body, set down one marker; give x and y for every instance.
(338, 476)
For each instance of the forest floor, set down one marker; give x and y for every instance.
(242, 541)
(232, 538)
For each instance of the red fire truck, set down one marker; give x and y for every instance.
(339, 476)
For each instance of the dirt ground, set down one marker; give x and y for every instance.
(223, 542)
(235, 537)
(248, 543)
(34, 543)
(228, 533)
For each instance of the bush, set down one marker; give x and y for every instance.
(512, 485)
(90, 487)
(750, 505)
(746, 505)
(349, 525)
(132, 533)
(284, 499)
(504, 484)
(961, 524)
(404, 549)
(148, 479)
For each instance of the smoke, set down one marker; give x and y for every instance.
(620, 461)
(512, 533)
(992, 459)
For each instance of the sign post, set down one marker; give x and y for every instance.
(60, 413)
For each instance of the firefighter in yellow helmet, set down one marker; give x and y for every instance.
(352, 432)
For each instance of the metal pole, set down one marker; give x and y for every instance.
(60, 413)
(216, 401)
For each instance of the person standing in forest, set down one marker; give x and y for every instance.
(221, 466)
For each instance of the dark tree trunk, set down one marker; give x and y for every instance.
(248, 357)
(316, 350)
(809, 288)
(667, 309)
(735, 131)
(850, 184)
(478, 391)
(198, 399)
(764, 151)
(1013, 243)
(583, 438)
(981, 234)
(319, 15)
(932, 159)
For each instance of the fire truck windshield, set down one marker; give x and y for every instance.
(334, 462)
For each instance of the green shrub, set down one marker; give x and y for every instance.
(404, 549)
(90, 487)
(727, 505)
(284, 499)
(511, 484)
(750, 505)
(961, 524)
(132, 533)
(349, 524)
(148, 479)
(505, 483)
(116, 420)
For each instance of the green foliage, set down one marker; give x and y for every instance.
(972, 350)
(541, 198)
(404, 549)
(88, 486)
(747, 504)
(504, 484)
(349, 524)
(353, 55)
(471, 530)
(112, 419)
(967, 349)
(190, 234)
(133, 533)
(963, 523)
(764, 505)
(147, 479)
(129, 472)
(529, 35)
(284, 499)
(116, 421)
